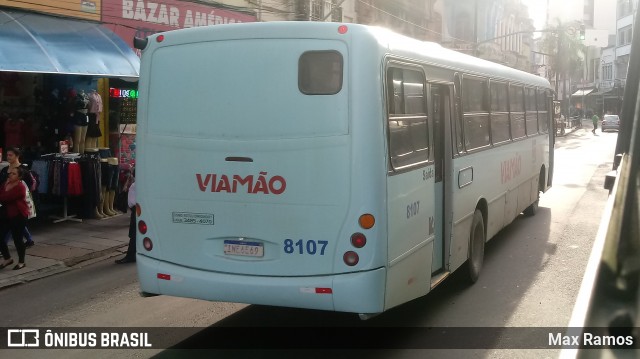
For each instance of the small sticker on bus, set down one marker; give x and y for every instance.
(192, 218)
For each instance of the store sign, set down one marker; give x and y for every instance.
(141, 18)
(123, 93)
(83, 9)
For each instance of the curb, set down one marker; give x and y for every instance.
(70, 262)
(63, 266)
(34, 275)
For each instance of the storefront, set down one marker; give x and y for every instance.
(54, 75)
(51, 67)
(141, 18)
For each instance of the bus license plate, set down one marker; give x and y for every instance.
(243, 248)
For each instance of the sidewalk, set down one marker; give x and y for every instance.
(586, 125)
(60, 246)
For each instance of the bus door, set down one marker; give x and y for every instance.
(441, 113)
(410, 190)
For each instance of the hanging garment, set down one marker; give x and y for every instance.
(42, 169)
(74, 183)
(95, 102)
(57, 169)
(94, 129)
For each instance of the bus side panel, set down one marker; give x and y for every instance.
(495, 222)
(410, 277)
(507, 180)
(410, 206)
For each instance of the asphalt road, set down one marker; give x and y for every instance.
(531, 276)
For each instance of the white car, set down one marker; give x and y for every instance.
(610, 122)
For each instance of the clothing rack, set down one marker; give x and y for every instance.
(71, 157)
(65, 215)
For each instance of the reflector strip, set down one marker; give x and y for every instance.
(164, 276)
(311, 290)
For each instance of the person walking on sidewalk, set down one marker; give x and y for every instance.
(13, 216)
(13, 157)
(130, 257)
(595, 120)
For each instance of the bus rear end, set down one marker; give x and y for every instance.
(245, 170)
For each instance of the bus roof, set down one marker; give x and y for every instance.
(388, 41)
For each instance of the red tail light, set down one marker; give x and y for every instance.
(350, 258)
(358, 240)
(142, 227)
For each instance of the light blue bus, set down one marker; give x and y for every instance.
(327, 166)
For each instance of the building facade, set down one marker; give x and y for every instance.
(613, 63)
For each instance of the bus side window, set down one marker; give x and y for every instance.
(500, 131)
(407, 122)
(476, 114)
(532, 115)
(516, 111)
(543, 111)
(457, 116)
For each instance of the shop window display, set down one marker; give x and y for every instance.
(40, 112)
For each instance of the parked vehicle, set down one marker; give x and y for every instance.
(610, 122)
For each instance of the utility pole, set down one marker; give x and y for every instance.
(475, 30)
(558, 67)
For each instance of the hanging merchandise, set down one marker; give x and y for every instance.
(95, 109)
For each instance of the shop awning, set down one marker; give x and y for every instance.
(31, 42)
(583, 92)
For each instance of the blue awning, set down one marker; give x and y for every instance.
(31, 42)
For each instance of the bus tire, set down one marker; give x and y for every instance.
(476, 248)
(533, 207)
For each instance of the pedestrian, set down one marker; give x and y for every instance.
(130, 257)
(13, 157)
(595, 120)
(13, 215)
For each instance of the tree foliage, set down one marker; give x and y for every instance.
(570, 62)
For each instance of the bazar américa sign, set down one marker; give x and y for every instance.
(140, 18)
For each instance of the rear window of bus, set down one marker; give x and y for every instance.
(320, 73)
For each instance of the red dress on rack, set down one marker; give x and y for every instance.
(74, 186)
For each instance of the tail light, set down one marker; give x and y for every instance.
(142, 227)
(366, 221)
(358, 240)
(350, 258)
(147, 244)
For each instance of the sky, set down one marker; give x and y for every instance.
(566, 10)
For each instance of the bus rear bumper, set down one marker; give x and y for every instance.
(361, 292)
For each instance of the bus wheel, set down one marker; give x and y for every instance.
(533, 207)
(476, 248)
